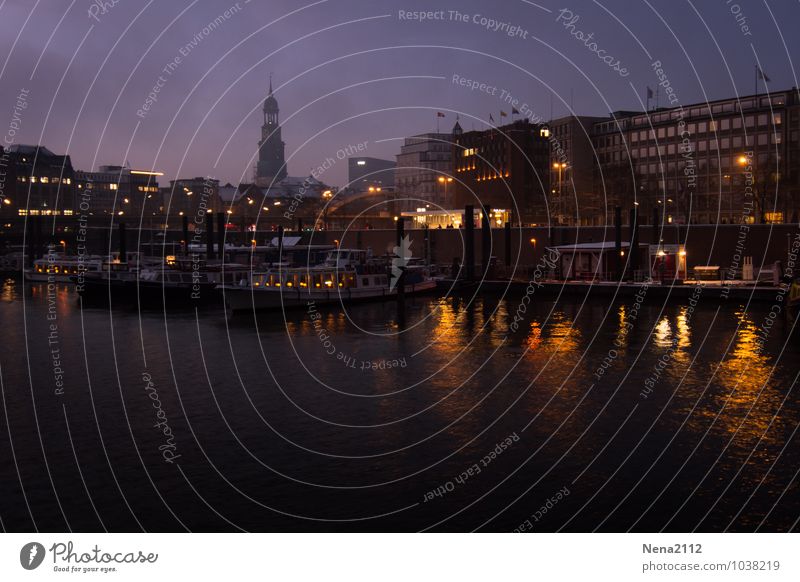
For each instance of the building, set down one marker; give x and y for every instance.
(120, 191)
(37, 181)
(271, 165)
(729, 161)
(505, 169)
(422, 161)
(365, 173)
(572, 164)
(191, 196)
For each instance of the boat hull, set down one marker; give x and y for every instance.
(240, 299)
(147, 294)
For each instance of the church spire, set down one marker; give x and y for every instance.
(270, 83)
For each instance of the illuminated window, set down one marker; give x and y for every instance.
(113, 186)
(44, 180)
(544, 132)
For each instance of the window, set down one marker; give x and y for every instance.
(762, 139)
(725, 143)
(736, 123)
(762, 120)
(750, 121)
(725, 124)
(671, 131)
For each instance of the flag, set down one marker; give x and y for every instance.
(514, 111)
(491, 118)
(503, 113)
(649, 93)
(440, 114)
(762, 75)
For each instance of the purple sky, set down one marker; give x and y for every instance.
(88, 77)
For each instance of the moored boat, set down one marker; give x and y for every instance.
(346, 275)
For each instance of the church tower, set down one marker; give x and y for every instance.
(271, 167)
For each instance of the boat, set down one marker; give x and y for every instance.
(345, 276)
(149, 287)
(60, 268)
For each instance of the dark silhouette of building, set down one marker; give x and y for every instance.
(38, 182)
(271, 166)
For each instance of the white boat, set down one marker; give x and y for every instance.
(58, 268)
(345, 276)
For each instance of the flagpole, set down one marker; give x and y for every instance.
(437, 122)
(755, 85)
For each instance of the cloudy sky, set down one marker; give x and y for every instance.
(354, 71)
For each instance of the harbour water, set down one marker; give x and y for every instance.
(582, 416)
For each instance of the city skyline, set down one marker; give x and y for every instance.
(371, 86)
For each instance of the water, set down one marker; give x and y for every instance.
(268, 431)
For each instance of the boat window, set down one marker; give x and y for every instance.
(318, 280)
(304, 280)
(328, 280)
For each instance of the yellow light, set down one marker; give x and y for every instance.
(144, 173)
(377, 189)
(441, 179)
(682, 253)
(533, 241)
(371, 189)
(6, 201)
(622, 253)
(396, 218)
(277, 203)
(120, 213)
(125, 200)
(180, 213)
(661, 253)
(289, 284)
(328, 283)
(742, 160)
(555, 166)
(256, 284)
(230, 211)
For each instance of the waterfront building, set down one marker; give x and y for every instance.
(424, 171)
(729, 161)
(573, 200)
(271, 165)
(505, 169)
(119, 190)
(37, 181)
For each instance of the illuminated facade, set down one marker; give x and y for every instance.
(120, 191)
(37, 182)
(504, 168)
